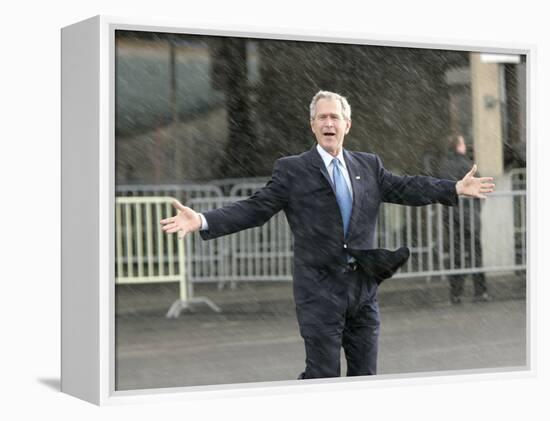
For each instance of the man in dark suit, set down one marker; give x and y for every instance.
(331, 198)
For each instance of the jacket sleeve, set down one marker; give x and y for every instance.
(414, 190)
(251, 212)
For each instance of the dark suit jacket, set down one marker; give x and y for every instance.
(300, 186)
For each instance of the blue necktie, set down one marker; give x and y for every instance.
(343, 195)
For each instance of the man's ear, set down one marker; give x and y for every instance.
(348, 126)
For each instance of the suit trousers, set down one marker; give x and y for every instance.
(340, 312)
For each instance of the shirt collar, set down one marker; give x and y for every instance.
(327, 158)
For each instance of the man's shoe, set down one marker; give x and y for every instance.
(482, 298)
(381, 263)
(456, 300)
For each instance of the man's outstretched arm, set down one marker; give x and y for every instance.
(243, 214)
(423, 190)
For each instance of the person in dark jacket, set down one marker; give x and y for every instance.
(331, 198)
(465, 229)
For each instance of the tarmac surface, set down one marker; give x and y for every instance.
(256, 339)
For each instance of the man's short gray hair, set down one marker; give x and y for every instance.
(346, 109)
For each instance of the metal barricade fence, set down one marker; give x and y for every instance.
(519, 182)
(227, 185)
(144, 253)
(183, 192)
(519, 178)
(258, 254)
(443, 241)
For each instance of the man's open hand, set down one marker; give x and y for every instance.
(185, 221)
(472, 186)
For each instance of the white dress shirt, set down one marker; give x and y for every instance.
(327, 159)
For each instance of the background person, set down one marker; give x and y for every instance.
(453, 167)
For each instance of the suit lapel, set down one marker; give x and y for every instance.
(317, 162)
(358, 184)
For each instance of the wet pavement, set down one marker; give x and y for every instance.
(255, 338)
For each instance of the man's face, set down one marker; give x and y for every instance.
(461, 146)
(329, 125)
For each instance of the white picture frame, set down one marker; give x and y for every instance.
(88, 212)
